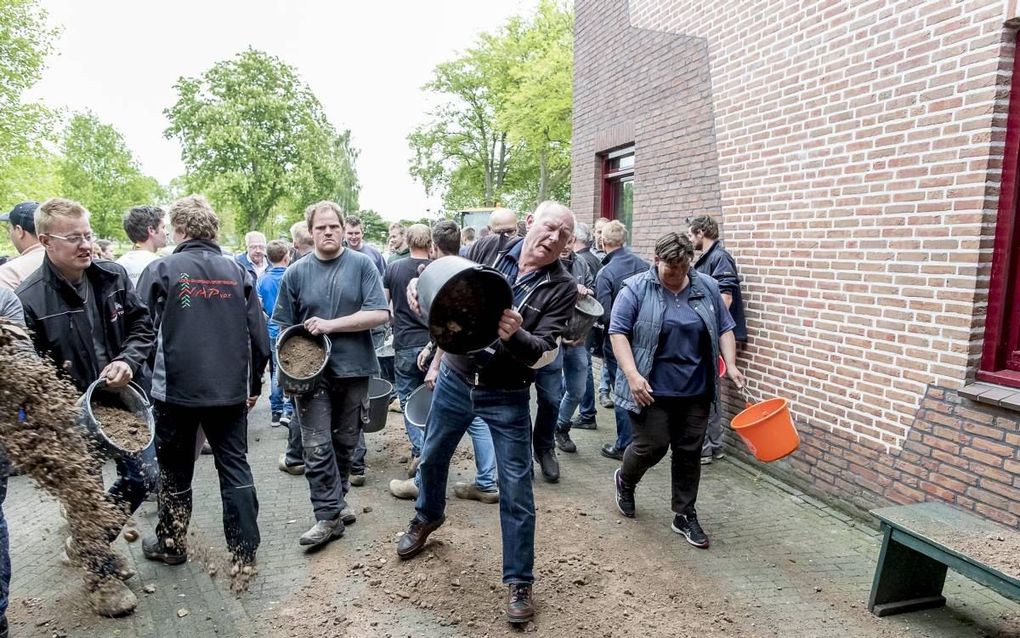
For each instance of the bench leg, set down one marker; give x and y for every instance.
(905, 580)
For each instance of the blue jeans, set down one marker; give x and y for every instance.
(5, 544)
(278, 404)
(408, 378)
(605, 381)
(576, 372)
(485, 457)
(623, 427)
(587, 407)
(454, 406)
(549, 388)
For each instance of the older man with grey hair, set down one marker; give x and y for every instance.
(254, 257)
(495, 385)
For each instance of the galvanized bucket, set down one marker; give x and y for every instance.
(300, 385)
(463, 302)
(130, 397)
(586, 312)
(418, 406)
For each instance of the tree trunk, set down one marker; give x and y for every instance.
(543, 175)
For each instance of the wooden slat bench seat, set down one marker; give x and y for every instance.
(922, 540)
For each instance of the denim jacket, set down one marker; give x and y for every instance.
(645, 335)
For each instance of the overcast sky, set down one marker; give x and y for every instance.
(366, 62)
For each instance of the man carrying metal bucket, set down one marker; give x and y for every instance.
(496, 387)
(668, 328)
(337, 292)
(70, 297)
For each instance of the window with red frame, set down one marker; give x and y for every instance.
(1000, 359)
(618, 186)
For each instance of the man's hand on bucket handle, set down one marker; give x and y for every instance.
(117, 374)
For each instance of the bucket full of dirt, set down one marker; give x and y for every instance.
(119, 420)
(379, 391)
(302, 357)
(463, 301)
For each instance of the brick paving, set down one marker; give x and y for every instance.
(794, 566)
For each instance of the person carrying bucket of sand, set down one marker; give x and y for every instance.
(669, 326)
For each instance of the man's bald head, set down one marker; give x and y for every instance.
(503, 220)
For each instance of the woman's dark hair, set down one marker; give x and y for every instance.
(674, 248)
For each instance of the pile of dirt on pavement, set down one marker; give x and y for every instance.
(125, 428)
(39, 435)
(301, 357)
(1000, 550)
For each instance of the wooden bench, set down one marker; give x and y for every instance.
(920, 542)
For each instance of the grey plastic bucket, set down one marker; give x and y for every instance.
(378, 404)
(463, 302)
(586, 312)
(418, 406)
(300, 385)
(130, 397)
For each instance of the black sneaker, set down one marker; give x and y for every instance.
(582, 423)
(157, 550)
(285, 419)
(688, 525)
(275, 420)
(564, 443)
(624, 495)
(610, 451)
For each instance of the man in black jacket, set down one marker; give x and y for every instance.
(717, 262)
(494, 385)
(86, 316)
(213, 348)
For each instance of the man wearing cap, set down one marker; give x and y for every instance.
(25, 240)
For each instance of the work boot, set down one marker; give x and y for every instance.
(357, 480)
(520, 606)
(606, 401)
(564, 443)
(550, 466)
(471, 492)
(584, 424)
(322, 532)
(406, 490)
(296, 470)
(395, 406)
(412, 469)
(413, 540)
(112, 598)
(610, 451)
(624, 495)
(154, 549)
(348, 516)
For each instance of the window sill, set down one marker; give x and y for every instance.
(992, 394)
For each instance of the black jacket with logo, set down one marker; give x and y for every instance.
(212, 346)
(545, 313)
(60, 325)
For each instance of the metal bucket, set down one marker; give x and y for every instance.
(418, 406)
(298, 385)
(586, 312)
(130, 397)
(378, 404)
(463, 302)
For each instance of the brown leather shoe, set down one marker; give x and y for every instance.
(413, 540)
(520, 606)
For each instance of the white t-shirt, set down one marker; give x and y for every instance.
(135, 261)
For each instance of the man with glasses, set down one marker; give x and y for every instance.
(86, 316)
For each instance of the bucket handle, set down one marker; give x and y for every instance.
(747, 394)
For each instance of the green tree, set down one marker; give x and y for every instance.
(258, 136)
(375, 228)
(503, 134)
(98, 170)
(24, 45)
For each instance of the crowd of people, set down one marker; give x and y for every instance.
(195, 332)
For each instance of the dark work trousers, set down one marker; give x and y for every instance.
(226, 429)
(295, 453)
(676, 424)
(330, 422)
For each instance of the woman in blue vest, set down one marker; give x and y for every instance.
(669, 325)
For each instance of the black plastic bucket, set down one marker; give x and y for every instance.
(378, 404)
(300, 385)
(129, 397)
(418, 406)
(586, 312)
(463, 302)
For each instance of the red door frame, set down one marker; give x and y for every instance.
(611, 179)
(1001, 336)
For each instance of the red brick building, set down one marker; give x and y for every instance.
(861, 158)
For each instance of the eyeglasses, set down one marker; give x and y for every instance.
(77, 240)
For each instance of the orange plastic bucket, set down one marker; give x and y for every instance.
(767, 429)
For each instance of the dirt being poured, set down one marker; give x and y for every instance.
(125, 428)
(38, 432)
(301, 357)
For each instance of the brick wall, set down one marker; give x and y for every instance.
(851, 151)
